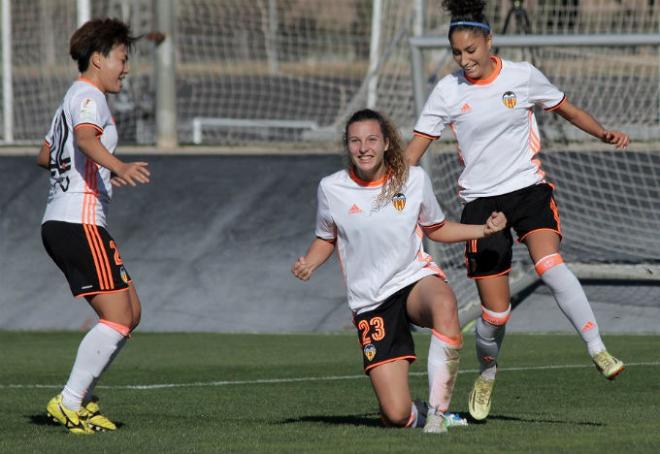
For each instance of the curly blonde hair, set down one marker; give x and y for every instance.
(396, 167)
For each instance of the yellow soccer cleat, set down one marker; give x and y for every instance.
(607, 365)
(481, 398)
(95, 419)
(75, 421)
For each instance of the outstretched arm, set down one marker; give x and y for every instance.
(319, 251)
(416, 149)
(583, 120)
(453, 232)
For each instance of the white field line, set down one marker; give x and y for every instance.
(268, 381)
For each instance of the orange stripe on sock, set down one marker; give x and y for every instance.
(496, 318)
(121, 329)
(456, 342)
(548, 262)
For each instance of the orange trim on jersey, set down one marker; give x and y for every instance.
(89, 125)
(496, 72)
(87, 81)
(102, 292)
(424, 135)
(563, 100)
(522, 238)
(547, 262)
(121, 329)
(488, 276)
(433, 227)
(332, 241)
(456, 342)
(410, 358)
(379, 182)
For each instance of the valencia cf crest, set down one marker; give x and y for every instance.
(124, 274)
(399, 201)
(370, 351)
(509, 99)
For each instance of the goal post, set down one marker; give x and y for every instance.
(609, 199)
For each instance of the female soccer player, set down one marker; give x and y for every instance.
(375, 214)
(488, 104)
(78, 152)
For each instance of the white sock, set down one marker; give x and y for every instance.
(90, 390)
(94, 354)
(572, 301)
(489, 340)
(444, 356)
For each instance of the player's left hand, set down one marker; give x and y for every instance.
(117, 182)
(617, 138)
(495, 223)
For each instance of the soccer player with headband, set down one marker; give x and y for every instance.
(78, 152)
(375, 214)
(488, 104)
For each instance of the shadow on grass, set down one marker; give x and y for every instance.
(350, 420)
(533, 420)
(45, 420)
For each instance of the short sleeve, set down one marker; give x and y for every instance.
(90, 108)
(430, 213)
(542, 91)
(435, 114)
(325, 225)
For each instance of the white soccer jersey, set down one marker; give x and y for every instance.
(80, 189)
(380, 249)
(494, 125)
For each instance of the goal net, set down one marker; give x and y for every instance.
(609, 200)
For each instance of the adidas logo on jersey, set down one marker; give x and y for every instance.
(354, 209)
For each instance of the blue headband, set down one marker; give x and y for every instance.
(470, 24)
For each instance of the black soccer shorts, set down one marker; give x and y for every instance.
(527, 210)
(87, 255)
(384, 333)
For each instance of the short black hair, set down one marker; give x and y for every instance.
(98, 35)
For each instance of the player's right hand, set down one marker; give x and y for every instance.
(617, 138)
(301, 269)
(134, 172)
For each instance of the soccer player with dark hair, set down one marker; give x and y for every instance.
(79, 153)
(488, 104)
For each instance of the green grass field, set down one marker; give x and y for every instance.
(179, 393)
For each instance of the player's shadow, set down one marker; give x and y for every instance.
(45, 420)
(534, 420)
(349, 420)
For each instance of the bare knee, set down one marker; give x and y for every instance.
(396, 416)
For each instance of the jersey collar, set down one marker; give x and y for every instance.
(498, 69)
(87, 81)
(370, 184)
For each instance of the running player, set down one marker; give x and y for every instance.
(78, 152)
(375, 214)
(488, 105)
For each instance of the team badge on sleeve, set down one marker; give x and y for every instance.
(88, 110)
(370, 351)
(509, 99)
(399, 201)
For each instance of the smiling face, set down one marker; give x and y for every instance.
(471, 51)
(366, 146)
(111, 68)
